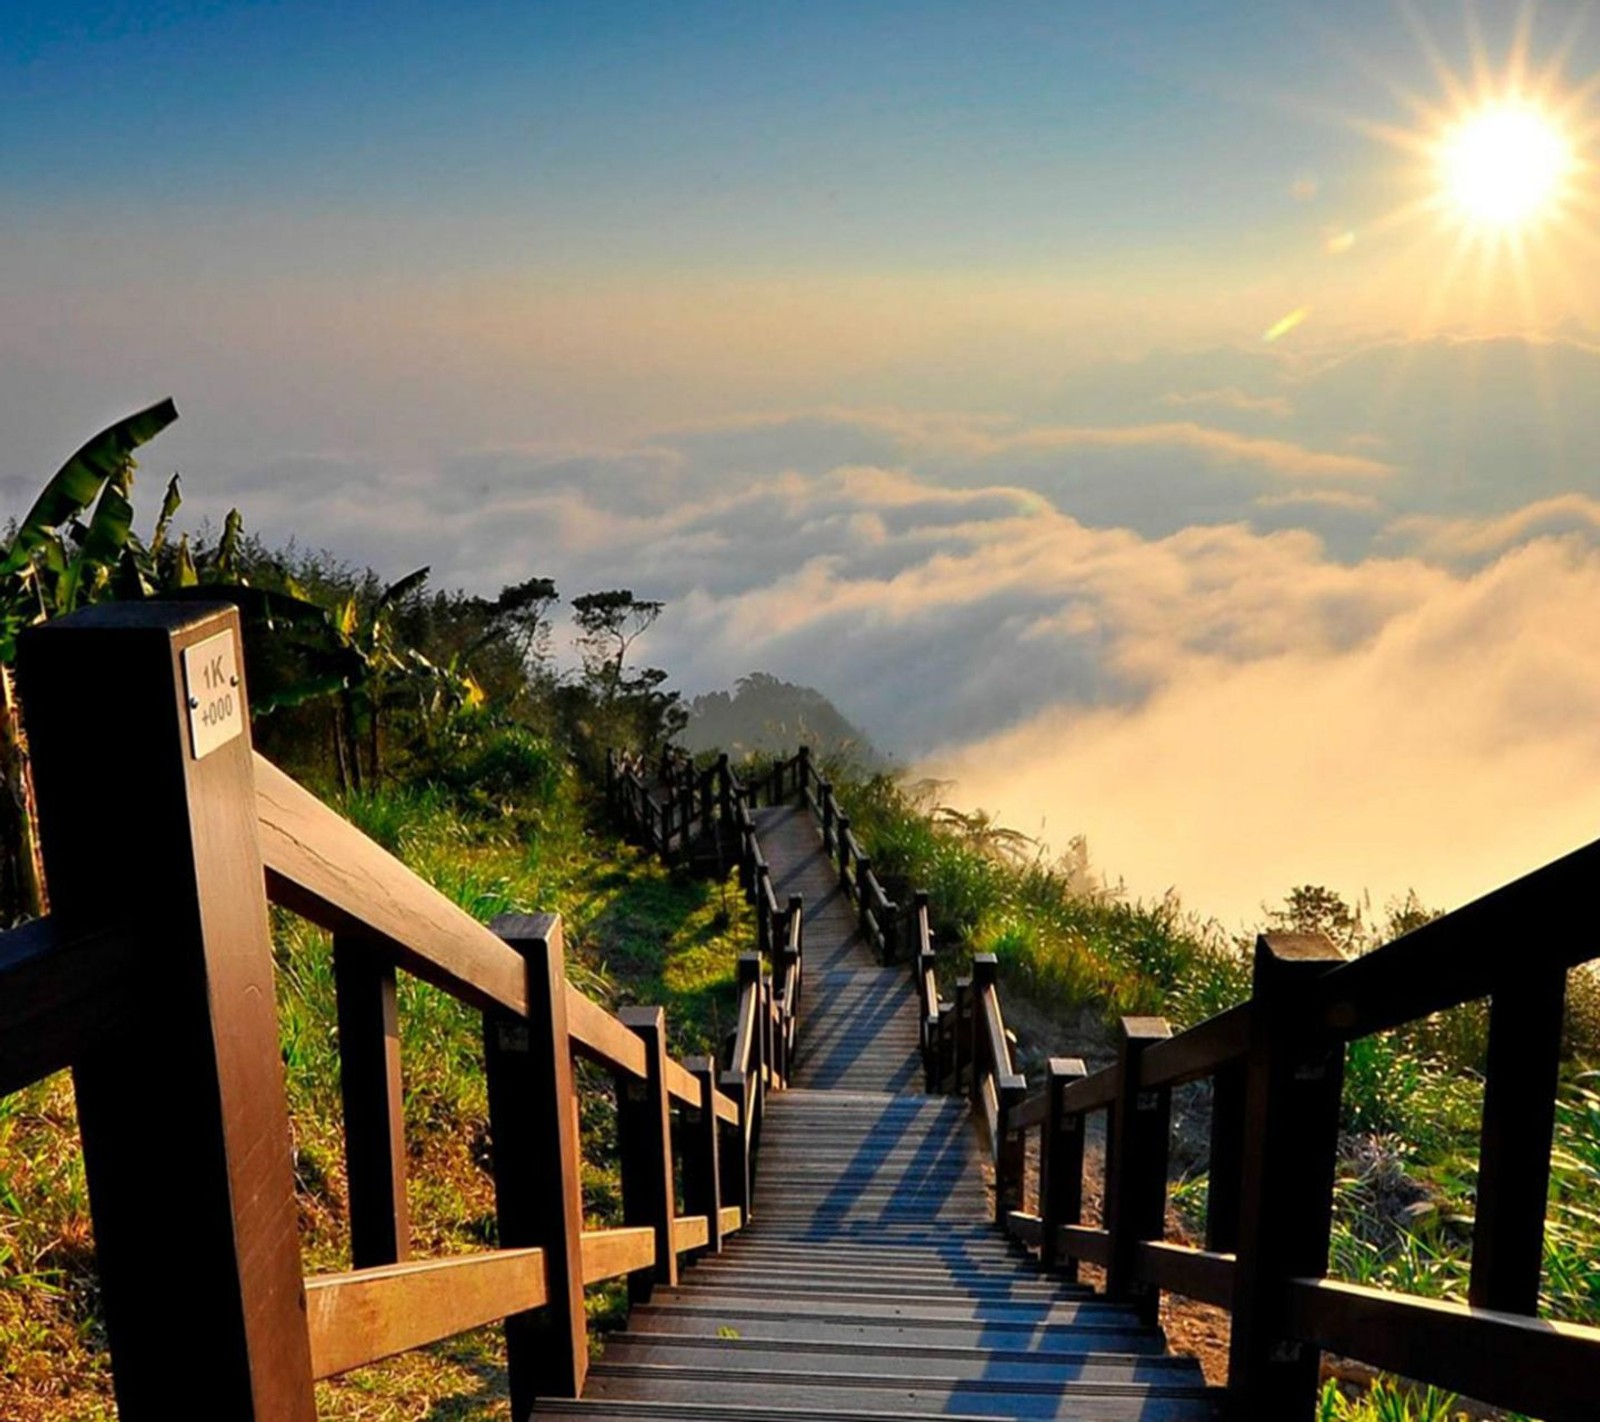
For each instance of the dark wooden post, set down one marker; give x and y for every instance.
(1139, 1128)
(724, 790)
(1519, 1102)
(702, 1176)
(1060, 1165)
(538, 1193)
(1011, 1152)
(825, 789)
(961, 1036)
(160, 687)
(842, 846)
(863, 868)
(1291, 1130)
(764, 924)
(1227, 1155)
(985, 969)
(374, 1116)
(644, 1131)
(805, 771)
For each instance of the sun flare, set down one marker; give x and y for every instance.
(1504, 165)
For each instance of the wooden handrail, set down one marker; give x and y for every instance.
(360, 1317)
(323, 867)
(63, 992)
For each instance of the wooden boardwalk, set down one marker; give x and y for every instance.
(871, 1282)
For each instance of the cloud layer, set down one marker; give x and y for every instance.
(1244, 623)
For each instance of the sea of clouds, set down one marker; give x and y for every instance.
(1243, 621)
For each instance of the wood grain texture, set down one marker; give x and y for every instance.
(218, 1074)
(360, 1317)
(326, 870)
(611, 1253)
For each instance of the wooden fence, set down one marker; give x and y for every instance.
(152, 979)
(1276, 1066)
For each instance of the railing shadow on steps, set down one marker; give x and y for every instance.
(1276, 1066)
(152, 980)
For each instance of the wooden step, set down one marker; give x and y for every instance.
(1064, 1328)
(917, 1361)
(930, 1396)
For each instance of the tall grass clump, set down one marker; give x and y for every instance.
(1064, 939)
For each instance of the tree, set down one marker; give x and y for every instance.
(612, 706)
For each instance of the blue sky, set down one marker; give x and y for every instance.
(912, 351)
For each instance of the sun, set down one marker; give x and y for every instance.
(1504, 165)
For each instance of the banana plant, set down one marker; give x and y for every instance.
(71, 545)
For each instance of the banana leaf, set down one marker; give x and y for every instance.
(77, 483)
(103, 541)
(169, 506)
(396, 591)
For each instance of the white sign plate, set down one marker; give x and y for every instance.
(211, 686)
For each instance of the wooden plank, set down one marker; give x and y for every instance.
(1194, 1273)
(1092, 1093)
(600, 1037)
(1528, 1365)
(726, 1107)
(681, 1084)
(1032, 1111)
(323, 867)
(1199, 1052)
(690, 1232)
(63, 994)
(538, 1195)
(610, 1253)
(357, 1318)
(1028, 1228)
(1084, 1242)
(1519, 1104)
(374, 1110)
(195, 862)
(731, 1219)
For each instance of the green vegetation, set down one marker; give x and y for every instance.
(438, 723)
(636, 932)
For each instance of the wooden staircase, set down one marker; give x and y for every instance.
(871, 1281)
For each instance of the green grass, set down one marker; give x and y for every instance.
(1060, 939)
(635, 932)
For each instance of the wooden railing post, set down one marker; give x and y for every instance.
(537, 1187)
(863, 868)
(1519, 1102)
(805, 771)
(159, 686)
(1139, 1129)
(1060, 1165)
(1227, 1157)
(1293, 1079)
(825, 789)
(764, 924)
(724, 790)
(702, 1175)
(374, 1117)
(644, 1133)
(842, 847)
(961, 1037)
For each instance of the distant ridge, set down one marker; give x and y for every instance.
(767, 716)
